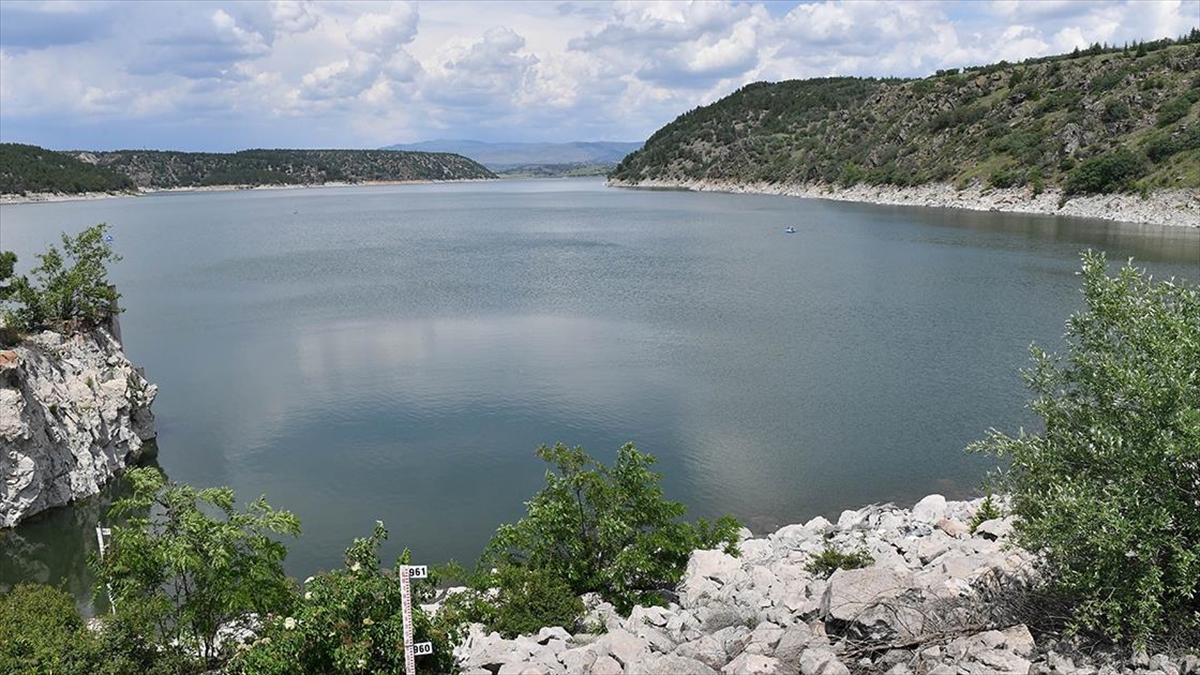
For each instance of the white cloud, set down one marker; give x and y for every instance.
(385, 31)
(291, 16)
(220, 75)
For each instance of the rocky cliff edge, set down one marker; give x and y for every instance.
(74, 412)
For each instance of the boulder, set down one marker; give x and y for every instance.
(953, 527)
(715, 565)
(545, 635)
(605, 665)
(930, 510)
(707, 650)
(671, 664)
(653, 616)
(997, 528)
(821, 661)
(754, 664)
(850, 592)
(624, 646)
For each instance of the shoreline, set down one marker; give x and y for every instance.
(54, 197)
(1176, 208)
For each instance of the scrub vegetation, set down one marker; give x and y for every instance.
(1098, 120)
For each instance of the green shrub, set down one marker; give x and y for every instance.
(601, 529)
(1163, 145)
(1007, 177)
(348, 621)
(986, 511)
(187, 562)
(41, 632)
(830, 559)
(1175, 109)
(513, 601)
(70, 286)
(1107, 494)
(1113, 171)
(1116, 110)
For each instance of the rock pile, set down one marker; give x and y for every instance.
(919, 608)
(73, 412)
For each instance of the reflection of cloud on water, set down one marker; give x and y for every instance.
(585, 368)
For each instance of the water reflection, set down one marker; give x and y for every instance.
(398, 352)
(54, 547)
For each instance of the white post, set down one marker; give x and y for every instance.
(101, 533)
(407, 573)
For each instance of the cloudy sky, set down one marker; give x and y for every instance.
(228, 76)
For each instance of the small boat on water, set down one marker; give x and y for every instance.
(790, 230)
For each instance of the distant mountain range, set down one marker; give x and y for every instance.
(502, 157)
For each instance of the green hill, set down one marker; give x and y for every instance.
(1094, 121)
(168, 169)
(28, 168)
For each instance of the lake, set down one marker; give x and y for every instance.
(397, 353)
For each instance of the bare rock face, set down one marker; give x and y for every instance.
(74, 412)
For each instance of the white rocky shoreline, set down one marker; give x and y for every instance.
(932, 603)
(1160, 207)
(51, 197)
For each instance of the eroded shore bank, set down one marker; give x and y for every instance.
(1162, 207)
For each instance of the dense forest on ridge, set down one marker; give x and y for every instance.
(27, 168)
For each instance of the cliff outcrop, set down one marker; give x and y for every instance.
(74, 412)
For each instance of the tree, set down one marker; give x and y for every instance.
(70, 286)
(8, 261)
(597, 528)
(188, 562)
(1108, 495)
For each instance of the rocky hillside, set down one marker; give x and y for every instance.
(28, 168)
(73, 412)
(1096, 121)
(932, 597)
(168, 169)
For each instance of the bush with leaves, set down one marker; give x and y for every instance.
(42, 632)
(1108, 495)
(510, 600)
(69, 287)
(1112, 171)
(188, 562)
(593, 528)
(830, 560)
(348, 621)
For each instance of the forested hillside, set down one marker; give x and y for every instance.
(28, 168)
(167, 169)
(1094, 121)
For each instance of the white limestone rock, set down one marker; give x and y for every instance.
(930, 509)
(74, 412)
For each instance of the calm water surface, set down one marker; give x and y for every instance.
(397, 353)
